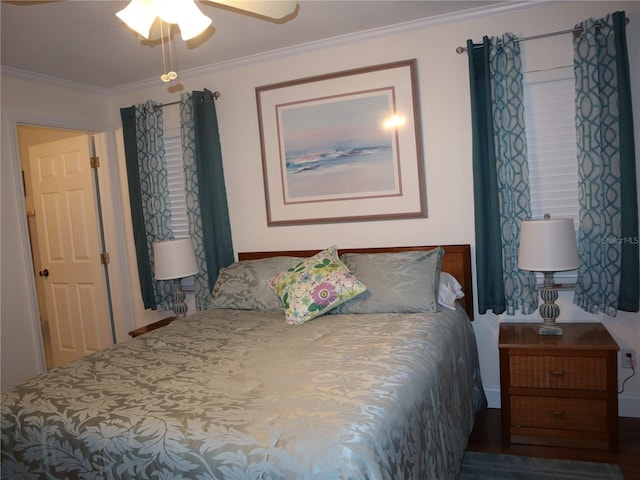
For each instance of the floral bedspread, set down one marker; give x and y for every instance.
(231, 394)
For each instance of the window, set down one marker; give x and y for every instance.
(177, 193)
(551, 145)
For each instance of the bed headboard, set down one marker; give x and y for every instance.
(456, 261)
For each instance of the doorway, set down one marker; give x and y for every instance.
(67, 244)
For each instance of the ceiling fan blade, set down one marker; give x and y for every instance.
(276, 9)
(28, 2)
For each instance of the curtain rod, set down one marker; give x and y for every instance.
(214, 96)
(533, 37)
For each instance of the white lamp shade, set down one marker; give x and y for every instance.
(139, 16)
(548, 245)
(174, 259)
(194, 26)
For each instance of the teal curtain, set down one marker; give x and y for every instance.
(148, 187)
(490, 283)
(501, 176)
(608, 277)
(512, 168)
(201, 281)
(212, 194)
(145, 275)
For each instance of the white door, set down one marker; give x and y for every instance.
(70, 247)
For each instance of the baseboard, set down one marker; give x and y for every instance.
(628, 404)
(493, 396)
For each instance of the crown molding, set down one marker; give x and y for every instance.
(389, 30)
(54, 81)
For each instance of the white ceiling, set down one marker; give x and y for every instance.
(84, 42)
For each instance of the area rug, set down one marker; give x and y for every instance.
(492, 466)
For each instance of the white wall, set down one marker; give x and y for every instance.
(446, 124)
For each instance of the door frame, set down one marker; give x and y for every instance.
(46, 140)
(112, 221)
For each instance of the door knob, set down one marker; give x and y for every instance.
(44, 273)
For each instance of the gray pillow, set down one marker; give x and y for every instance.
(243, 285)
(399, 282)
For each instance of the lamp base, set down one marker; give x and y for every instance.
(179, 307)
(549, 311)
(553, 329)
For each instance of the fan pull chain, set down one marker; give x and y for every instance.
(170, 75)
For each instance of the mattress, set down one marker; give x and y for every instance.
(236, 394)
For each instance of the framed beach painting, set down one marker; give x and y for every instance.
(343, 147)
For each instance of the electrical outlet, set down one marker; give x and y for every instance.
(628, 358)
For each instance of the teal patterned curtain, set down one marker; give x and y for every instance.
(202, 290)
(512, 168)
(608, 277)
(148, 187)
(216, 228)
(501, 175)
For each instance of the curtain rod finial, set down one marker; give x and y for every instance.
(460, 50)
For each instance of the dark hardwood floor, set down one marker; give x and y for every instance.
(486, 437)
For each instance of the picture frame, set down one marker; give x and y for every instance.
(343, 147)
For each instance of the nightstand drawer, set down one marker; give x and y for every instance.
(589, 415)
(537, 371)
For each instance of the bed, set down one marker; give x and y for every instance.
(247, 389)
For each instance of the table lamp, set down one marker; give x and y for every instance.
(175, 260)
(548, 246)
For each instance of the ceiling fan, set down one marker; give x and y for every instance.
(145, 16)
(153, 19)
(140, 15)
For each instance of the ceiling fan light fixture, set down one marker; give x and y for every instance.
(193, 28)
(139, 15)
(170, 11)
(192, 21)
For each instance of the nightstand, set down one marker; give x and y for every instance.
(152, 326)
(559, 390)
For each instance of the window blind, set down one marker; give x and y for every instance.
(177, 194)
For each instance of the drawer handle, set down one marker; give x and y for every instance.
(557, 373)
(557, 413)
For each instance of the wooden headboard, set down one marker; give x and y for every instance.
(456, 261)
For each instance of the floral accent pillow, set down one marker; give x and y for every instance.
(315, 286)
